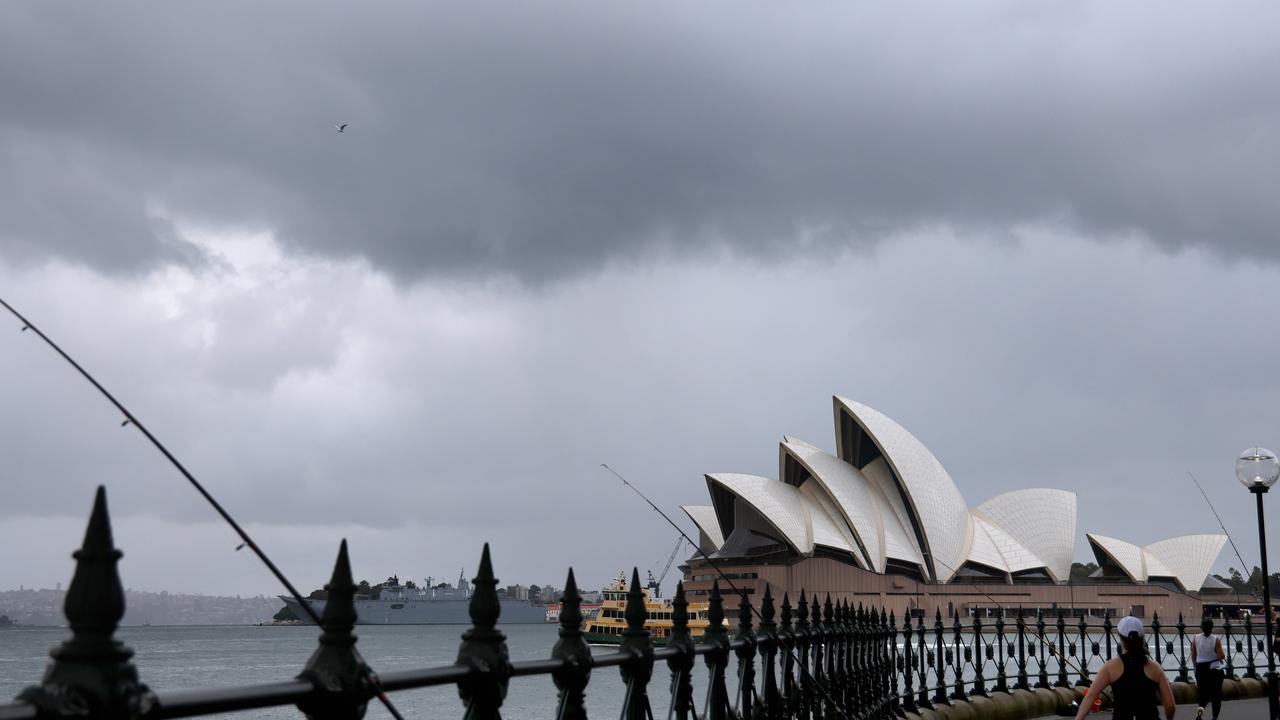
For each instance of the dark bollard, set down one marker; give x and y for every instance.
(484, 649)
(681, 665)
(91, 674)
(572, 678)
(767, 640)
(746, 653)
(335, 670)
(716, 638)
(637, 671)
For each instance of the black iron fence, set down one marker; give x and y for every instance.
(951, 659)
(816, 659)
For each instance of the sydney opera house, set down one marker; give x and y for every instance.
(882, 522)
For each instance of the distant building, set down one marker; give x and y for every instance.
(882, 522)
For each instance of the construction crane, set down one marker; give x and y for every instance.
(655, 586)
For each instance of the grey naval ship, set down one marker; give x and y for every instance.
(441, 605)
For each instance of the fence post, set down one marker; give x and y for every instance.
(1107, 627)
(1022, 652)
(979, 658)
(940, 647)
(91, 673)
(484, 649)
(895, 664)
(820, 637)
(1083, 678)
(1251, 669)
(1042, 680)
(1002, 676)
(787, 641)
(888, 681)
(681, 665)
(1063, 681)
(572, 677)
(716, 658)
(636, 671)
(962, 654)
(805, 691)
(850, 634)
(746, 653)
(767, 640)
(1155, 636)
(1227, 647)
(907, 666)
(856, 687)
(335, 670)
(1182, 649)
(926, 661)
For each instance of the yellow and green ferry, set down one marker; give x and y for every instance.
(610, 622)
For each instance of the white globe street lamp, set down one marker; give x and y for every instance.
(1258, 469)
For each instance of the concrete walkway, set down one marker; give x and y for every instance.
(1250, 709)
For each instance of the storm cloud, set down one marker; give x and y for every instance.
(662, 236)
(542, 140)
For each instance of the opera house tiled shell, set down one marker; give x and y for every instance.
(884, 503)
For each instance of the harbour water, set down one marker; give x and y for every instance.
(175, 658)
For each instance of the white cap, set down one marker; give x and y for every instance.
(1129, 624)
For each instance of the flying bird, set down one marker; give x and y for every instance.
(342, 127)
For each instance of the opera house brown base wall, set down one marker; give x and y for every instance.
(900, 594)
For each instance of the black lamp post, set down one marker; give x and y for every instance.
(1258, 469)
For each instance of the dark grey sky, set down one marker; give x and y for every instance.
(1038, 235)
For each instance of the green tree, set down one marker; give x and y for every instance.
(1080, 572)
(285, 614)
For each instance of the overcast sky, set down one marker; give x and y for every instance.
(1042, 236)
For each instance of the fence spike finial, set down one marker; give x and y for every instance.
(335, 668)
(572, 648)
(91, 673)
(484, 648)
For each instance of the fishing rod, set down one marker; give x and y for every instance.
(803, 670)
(1243, 565)
(247, 541)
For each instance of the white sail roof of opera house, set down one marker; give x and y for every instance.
(1042, 520)
(884, 502)
(704, 516)
(1186, 558)
(778, 504)
(934, 503)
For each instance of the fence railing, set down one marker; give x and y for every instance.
(950, 659)
(816, 659)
